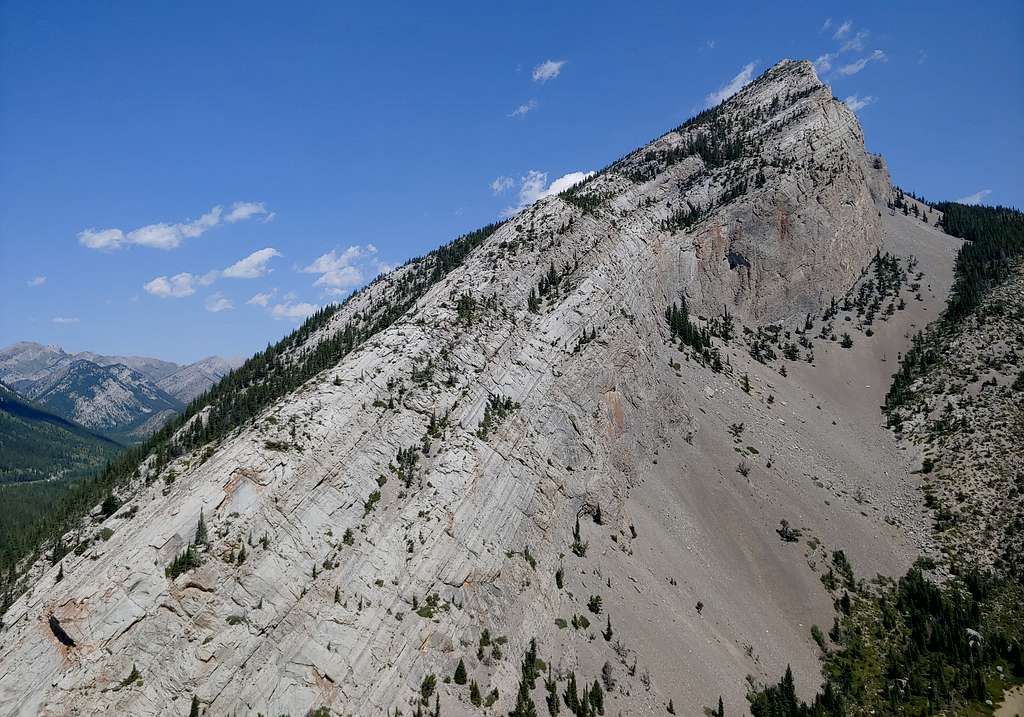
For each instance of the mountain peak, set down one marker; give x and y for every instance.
(459, 419)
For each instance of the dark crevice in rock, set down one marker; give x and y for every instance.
(59, 633)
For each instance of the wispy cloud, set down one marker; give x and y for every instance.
(857, 103)
(826, 25)
(246, 210)
(534, 186)
(174, 287)
(168, 236)
(737, 83)
(524, 109)
(294, 311)
(856, 42)
(976, 198)
(854, 67)
(922, 57)
(502, 184)
(252, 266)
(263, 298)
(547, 70)
(215, 303)
(65, 320)
(37, 281)
(824, 62)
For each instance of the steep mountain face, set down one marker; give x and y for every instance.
(188, 382)
(531, 451)
(127, 397)
(112, 399)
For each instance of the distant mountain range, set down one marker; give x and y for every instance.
(123, 397)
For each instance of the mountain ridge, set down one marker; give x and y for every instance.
(430, 484)
(127, 397)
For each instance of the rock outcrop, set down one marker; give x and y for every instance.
(526, 436)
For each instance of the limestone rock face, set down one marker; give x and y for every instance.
(364, 532)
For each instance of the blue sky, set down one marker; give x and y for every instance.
(186, 179)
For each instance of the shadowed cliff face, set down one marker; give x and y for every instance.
(366, 530)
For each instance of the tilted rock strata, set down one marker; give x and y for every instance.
(608, 414)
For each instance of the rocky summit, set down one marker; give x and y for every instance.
(591, 434)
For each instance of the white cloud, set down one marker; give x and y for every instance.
(37, 281)
(534, 186)
(854, 67)
(922, 57)
(826, 25)
(218, 302)
(263, 298)
(252, 266)
(524, 109)
(292, 311)
(246, 210)
(710, 44)
(824, 62)
(169, 236)
(65, 320)
(547, 70)
(174, 287)
(502, 184)
(565, 182)
(734, 85)
(976, 198)
(842, 30)
(342, 271)
(208, 278)
(857, 103)
(185, 283)
(101, 239)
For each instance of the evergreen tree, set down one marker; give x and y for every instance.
(427, 688)
(59, 550)
(201, 534)
(571, 695)
(552, 697)
(597, 697)
(460, 673)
